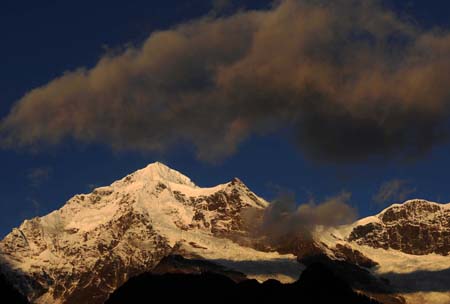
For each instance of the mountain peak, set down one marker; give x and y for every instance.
(158, 171)
(419, 201)
(116, 231)
(415, 204)
(417, 227)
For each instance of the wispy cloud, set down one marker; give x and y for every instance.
(91, 186)
(220, 5)
(393, 191)
(36, 206)
(352, 78)
(37, 176)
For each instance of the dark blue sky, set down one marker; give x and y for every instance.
(42, 39)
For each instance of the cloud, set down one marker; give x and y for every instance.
(36, 206)
(37, 176)
(396, 190)
(220, 5)
(284, 217)
(92, 186)
(350, 77)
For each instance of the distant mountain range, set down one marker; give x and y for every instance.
(156, 224)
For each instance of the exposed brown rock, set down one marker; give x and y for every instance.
(416, 227)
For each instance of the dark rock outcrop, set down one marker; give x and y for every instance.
(180, 265)
(416, 227)
(353, 256)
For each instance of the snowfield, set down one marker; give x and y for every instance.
(96, 241)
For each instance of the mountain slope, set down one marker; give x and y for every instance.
(417, 227)
(95, 242)
(409, 243)
(98, 241)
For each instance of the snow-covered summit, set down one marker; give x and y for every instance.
(415, 204)
(160, 172)
(96, 241)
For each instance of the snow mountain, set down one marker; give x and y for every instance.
(84, 251)
(409, 243)
(97, 241)
(417, 227)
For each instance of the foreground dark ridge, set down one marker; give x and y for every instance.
(316, 285)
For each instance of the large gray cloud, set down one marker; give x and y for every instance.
(350, 77)
(285, 222)
(285, 216)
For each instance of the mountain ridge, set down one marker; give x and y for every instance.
(97, 241)
(425, 228)
(316, 285)
(127, 228)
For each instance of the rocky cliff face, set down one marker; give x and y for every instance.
(416, 227)
(96, 242)
(77, 266)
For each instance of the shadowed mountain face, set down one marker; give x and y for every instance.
(345, 273)
(358, 278)
(317, 285)
(9, 294)
(177, 264)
